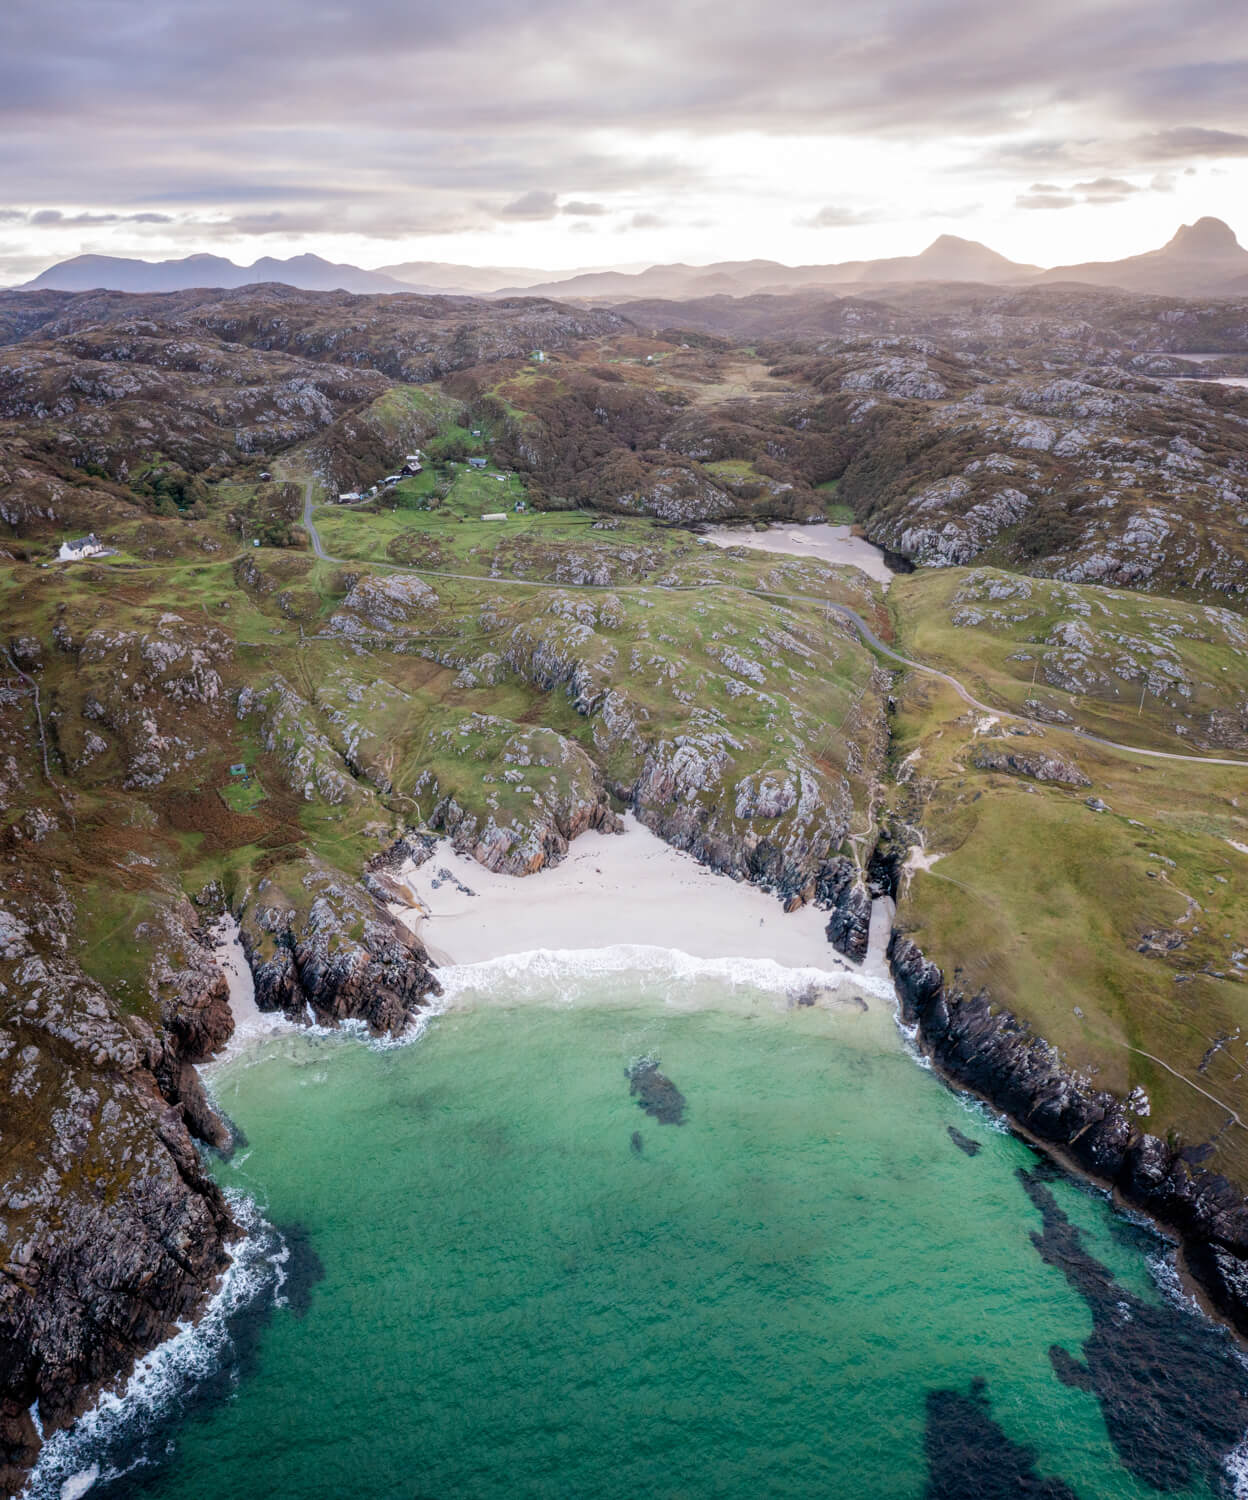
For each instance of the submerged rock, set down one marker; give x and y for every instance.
(655, 1093)
(992, 1052)
(970, 1458)
(964, 1142)
(1171, 1388)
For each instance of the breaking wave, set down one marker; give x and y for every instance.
(628, 972)
(122, 1432)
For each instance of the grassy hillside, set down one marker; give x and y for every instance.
(1112, 914)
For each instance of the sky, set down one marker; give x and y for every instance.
(568, 133)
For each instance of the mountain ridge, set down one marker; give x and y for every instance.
(1203, 258)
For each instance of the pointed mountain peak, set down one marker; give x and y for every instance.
(1206, 239)
(953, 242)
(953, 250)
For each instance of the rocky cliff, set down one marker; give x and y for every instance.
(111, 1232)
(991, 1052)
(332, 953)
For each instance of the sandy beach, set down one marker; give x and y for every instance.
(628, 898)
(830, 544)
(250, 1022)
(611, 890)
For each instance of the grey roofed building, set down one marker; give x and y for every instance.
(82, 546)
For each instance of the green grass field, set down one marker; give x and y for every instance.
(1116, 933)
(242, 795)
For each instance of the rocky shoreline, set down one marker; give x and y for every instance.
(346, 956)
(981, 1047)
(118, 1233)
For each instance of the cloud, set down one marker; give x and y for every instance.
(959, 211)
(836, 216)
(1192, 140)
(1044, 200)
(647, 221)
(54, 218)
(507, 104)
(1105, 190)
(536, 204)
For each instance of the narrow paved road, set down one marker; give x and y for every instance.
(868, 636)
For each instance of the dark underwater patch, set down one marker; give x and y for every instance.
(1173, 1394)
(655, 1092)
(970, 1458)
(303, 1267)
(964, 1142)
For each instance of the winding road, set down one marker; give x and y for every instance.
(868, 636)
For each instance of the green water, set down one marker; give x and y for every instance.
(516, 1303)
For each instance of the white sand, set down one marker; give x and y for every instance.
(249, 1020)
(612, 890)
(627, 891)
(830, 544)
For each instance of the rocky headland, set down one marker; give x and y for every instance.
(983, 1048)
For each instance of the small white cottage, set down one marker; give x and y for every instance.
(80, 547)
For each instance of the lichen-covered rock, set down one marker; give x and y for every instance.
(548, 792)
(312, 765)
(334, 953)
(994, 755)
(385, 602)
(110, 1230)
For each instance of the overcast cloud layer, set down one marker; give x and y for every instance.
(563, 132)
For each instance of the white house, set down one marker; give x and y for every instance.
(349, 497)
(80, 547)
(495, 515)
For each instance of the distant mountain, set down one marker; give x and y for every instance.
(309, 273)
(948, 258)
(476, 281)
(945, 259)
(1203, 259)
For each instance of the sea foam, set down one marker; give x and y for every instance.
(626, 971)
(111, 1438)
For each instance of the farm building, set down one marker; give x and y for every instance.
(80, 547)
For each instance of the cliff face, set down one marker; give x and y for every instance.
(110, 1230)
(992, 1053)
(334, 957)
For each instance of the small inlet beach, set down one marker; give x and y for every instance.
(619, 891)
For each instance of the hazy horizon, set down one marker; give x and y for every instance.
(556, 272)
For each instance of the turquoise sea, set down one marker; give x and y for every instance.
(499, 1277)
